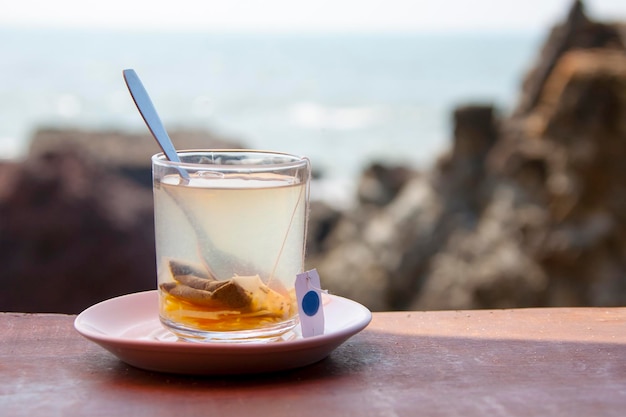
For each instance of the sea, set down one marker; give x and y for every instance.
(345, 100)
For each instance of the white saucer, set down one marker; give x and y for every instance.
(129, 327)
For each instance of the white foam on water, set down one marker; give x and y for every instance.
(313, 115)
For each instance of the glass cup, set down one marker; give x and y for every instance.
(230, 238)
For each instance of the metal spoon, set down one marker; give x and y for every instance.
(151, 117)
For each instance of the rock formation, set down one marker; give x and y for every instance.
(72, 233)
(525, 210)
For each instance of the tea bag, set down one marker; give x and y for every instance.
(195, 285)
(310, 306)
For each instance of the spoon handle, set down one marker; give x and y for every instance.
(149, 114)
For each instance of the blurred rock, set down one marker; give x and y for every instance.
(576, 32)
(322, 220)
(526, 210)
(380, 252)
(71, 234)
(554, 230)
(379, 184)
(127, 153)
(460, 175)
(366, 249)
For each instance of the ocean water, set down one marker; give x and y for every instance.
(344, 100)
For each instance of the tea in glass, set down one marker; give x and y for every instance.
(230, 240)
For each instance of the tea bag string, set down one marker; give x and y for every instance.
(306, 211)
(313, 287)
(293, 215)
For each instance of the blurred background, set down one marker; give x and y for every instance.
(417, 117)
(369, 79)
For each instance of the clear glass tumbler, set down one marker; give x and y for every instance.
(230, 239)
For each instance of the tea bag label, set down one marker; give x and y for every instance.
(310, 306)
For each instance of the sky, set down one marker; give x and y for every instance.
(301, 15)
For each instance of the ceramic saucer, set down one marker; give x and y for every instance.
(129, 327)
